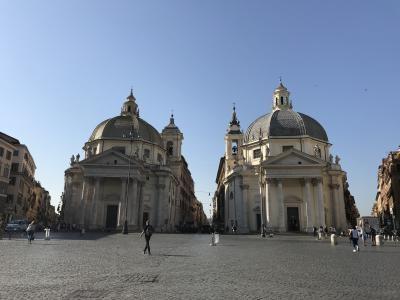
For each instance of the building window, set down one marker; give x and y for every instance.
(170, 148)
(14, 167)
(15, 153)
(286, 148)
(1, 151)
(234, 147)
(257, 153)
(159, 158)
(6, 170)
(281, 100)
(146, 153)
(12, 180)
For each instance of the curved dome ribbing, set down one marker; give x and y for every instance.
(285, 123)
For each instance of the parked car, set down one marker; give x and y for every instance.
(17, 226)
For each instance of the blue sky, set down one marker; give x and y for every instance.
(67, 65)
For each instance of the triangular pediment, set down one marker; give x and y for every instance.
(109, 157)
(294, 157)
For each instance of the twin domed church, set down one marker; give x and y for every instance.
(98, 194)
(279, 173)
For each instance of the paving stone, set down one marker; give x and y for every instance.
(186, 267)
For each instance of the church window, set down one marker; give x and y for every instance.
(281, 99)
(286, 148)
(234, 147)
(8, 155)
(257, 153)
(115, 162)
(159, 158)
(1, 151)
(15, 153)
(146, 153)
(170, 148)
(129, 109)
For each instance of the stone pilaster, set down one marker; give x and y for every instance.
(320, 201)
(281, 204)
(122, 202)
(244, 208)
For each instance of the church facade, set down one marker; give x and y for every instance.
(131, 173)
(279, 174)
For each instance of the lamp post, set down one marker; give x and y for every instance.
(125, 226)
(261, 181)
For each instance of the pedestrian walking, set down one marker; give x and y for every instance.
(314, 229)
(355, 235)
(366, 233)
(31, 231)
(373, 236)
(148, 232)
(320, 232)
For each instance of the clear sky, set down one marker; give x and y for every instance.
(67, 65)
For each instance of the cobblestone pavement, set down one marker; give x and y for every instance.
(186, 267)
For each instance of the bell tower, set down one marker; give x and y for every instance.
(233, 142)
(172, 138)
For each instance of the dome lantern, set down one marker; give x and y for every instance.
(130, 108)
(281, 99)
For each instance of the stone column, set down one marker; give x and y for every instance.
(333, 205)
(268, 203)
(133, 202)
(227, 203)
(140, 205)
(320, 199)
(342, 210)
(244, 208)
(281, 204)
(308, 204)
(84, 199)
(95, 203)
(159, 211)
(122, 202)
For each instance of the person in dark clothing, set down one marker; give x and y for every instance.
(373, 236)
(31, 231)
(148, 232)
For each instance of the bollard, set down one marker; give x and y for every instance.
(379, 240)
(216, 238)
(47, 235)
(213, 239)
(333, 239)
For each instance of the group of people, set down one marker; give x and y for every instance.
(365, 232)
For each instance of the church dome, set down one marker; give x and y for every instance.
(126, 126)
(285, 123)
(120, 127)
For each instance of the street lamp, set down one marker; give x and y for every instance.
(125, 226)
